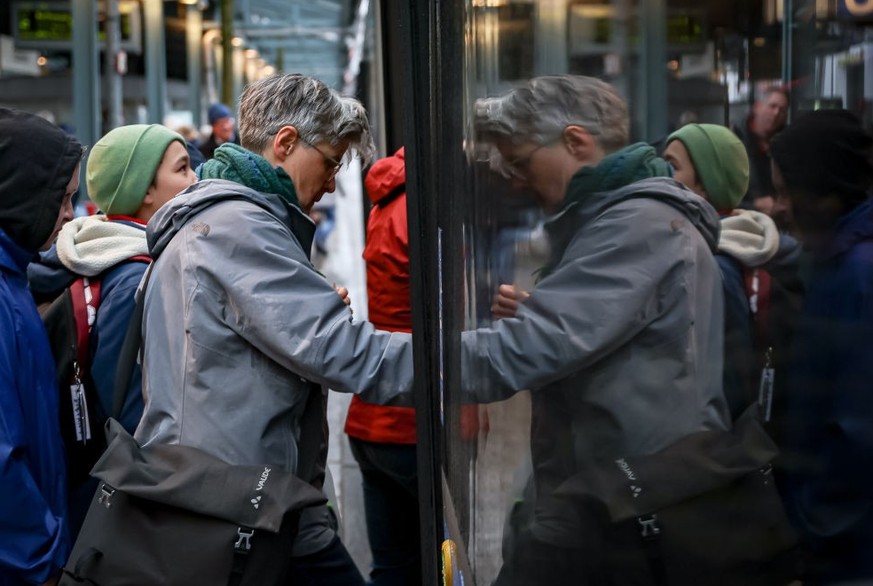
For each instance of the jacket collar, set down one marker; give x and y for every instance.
(854, 227)
(13, 258)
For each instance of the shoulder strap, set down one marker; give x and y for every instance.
(129, 349)
(313, 436)
(758, 285)
(85, 295)
(311, 422)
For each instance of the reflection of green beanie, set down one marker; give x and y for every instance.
(122, 165)
(720, 161)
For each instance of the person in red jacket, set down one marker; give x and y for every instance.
(383, 438)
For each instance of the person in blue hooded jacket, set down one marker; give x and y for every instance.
(39, 174)
(823, 173)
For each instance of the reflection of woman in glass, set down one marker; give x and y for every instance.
(621, 339)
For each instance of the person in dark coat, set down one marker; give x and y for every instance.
(39, 174)
(221, 119)
(767, 118)
(822, 172)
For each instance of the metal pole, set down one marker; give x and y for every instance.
(652, 95)
(114, 113)
(227, 68)
(193, 37)
(551, 26)
(787, 41)
(86, 71)
(209, 48)
(155, 61)
(356, 49)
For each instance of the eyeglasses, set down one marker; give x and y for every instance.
(332, 164)
(517, 168)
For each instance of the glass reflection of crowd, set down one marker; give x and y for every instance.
(728, 280)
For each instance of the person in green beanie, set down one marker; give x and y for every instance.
(757, 263)
(711, 161)
(131, 172)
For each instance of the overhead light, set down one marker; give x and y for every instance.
(759, 41)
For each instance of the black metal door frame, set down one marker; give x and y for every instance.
(423, 51)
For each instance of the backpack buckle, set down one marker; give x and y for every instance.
(243, 543)
(650, 529)
(106, 493)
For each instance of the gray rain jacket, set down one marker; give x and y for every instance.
(238, 322)
(621, 342)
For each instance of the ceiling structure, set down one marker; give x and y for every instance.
(306, 36)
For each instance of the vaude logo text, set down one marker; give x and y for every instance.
(264, 475)
(256, 502)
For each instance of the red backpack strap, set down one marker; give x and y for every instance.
(85, 295)
(758, 285)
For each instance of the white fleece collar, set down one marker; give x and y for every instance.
(749, 236)
(90, 245)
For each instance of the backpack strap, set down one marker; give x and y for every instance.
(129, 349)
(311, 423)
(85, 295)
(758, 285)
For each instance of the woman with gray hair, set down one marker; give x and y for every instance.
(620, 341)
(240, 330)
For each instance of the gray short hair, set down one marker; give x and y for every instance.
(540, 110)
(317, 111)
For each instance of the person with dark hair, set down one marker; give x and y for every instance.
(39, 173)
(822, 172)
(767, 118)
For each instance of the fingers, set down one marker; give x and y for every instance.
(343, 293)
(506, 301)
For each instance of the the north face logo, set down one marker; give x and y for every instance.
(256, 502)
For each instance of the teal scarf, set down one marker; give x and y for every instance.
(629, 165)
(234, 163)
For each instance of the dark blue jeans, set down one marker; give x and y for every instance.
(331, 566)
(391, 505)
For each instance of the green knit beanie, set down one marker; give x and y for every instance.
(122, 165)
(720, 161)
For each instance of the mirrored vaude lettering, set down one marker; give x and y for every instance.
(626, 469)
